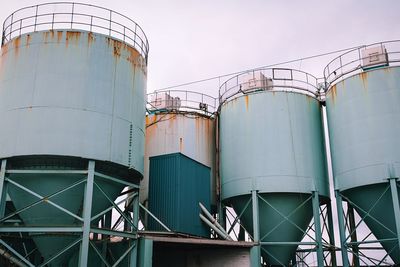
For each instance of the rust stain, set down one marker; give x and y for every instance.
(246, 100)
(59, 36)
(364, 78)
(180, 144)
(17, 44)
(333, 93)
(28, 39)
(46, 36)
(90, 38)
(52, 34)
(72, 36)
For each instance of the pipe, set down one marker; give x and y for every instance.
(8, 256)
(213, 220)
(215, 228)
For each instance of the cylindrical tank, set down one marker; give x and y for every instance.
(67, 96)
(180, 122)
(363, 114)
(271, 141)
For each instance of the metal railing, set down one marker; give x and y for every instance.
(270, 79)
(353, 61)
(181, 101)
(78, 16)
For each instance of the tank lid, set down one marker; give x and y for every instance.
(77, 16)
(269, 79)
(361, 59)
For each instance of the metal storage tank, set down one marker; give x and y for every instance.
(272, 158)
(363, 114)
(72, 107)
(182, 122)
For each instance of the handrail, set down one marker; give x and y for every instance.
(270, 79)
(182, 101)
(78, 16)
(352, 62)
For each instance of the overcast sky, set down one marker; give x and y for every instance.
(191, 40)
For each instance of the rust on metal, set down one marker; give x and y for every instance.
(181, 144)
(72, 36)
(28, 39)
(59, 36)
(246, 99)
(90, 38)
(333, 93)
(17, 44)
(364, 78)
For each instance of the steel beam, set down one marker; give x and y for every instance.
(19, 256)
(331, 234)
(3, 191)
(87, 210)
(256, 254)
(107, 177)
(396, 207)
(33, 229)
(342, 229)
(317, 226)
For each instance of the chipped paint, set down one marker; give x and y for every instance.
(90, 38)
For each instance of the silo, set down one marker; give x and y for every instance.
(179, 159)
(272, 159)
(72, 106)
(363, 115)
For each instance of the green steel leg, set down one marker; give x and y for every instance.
(331, 234)
(107, 225)
(353, 237)
(255, 251)
(145, 253)
(317, 225)
(396, 207)
(3, 191)
(222, 215)
(135, 211)
(342, 229)
(87, 210)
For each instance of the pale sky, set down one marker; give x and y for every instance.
(191, 40)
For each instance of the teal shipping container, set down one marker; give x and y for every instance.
(177, 185)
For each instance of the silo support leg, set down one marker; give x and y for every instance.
(135, 213)
(255, 252)
(396, 207)
(317, 225)
(84, 250)
(342, 232)
(331, 235)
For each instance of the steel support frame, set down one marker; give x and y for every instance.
(347, 219)
(319, 246)
(83, 232)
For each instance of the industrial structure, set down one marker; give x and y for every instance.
(94, 172)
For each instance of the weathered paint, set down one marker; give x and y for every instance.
(274, 146)
(364, 132)
(192, 135)
(65, 85)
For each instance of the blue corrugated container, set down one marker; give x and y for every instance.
(177, 184)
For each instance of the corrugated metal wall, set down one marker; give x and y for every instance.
(177, 184)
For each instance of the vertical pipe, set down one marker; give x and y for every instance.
(317, 225)
(342, 230)
(3, 191)
(353, 237)
(256, 255)
(396, 207)
(331, 234)
(87, 210)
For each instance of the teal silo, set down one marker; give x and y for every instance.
(72, 106)
(272, 158)
(363, 114)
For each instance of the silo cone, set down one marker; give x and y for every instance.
(270, 219)
(45, 214)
